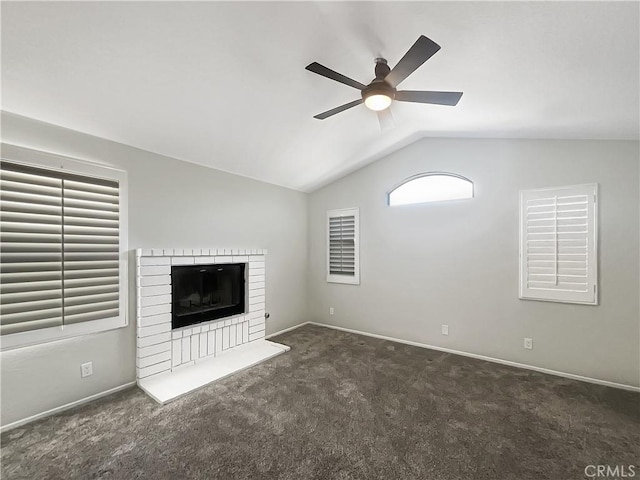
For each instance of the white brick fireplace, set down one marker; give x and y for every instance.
(170, 362)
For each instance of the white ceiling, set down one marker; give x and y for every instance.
(224, 84)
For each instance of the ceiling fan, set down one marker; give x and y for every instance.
(379, 94)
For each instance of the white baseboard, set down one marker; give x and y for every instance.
(483, 357)
(62, 408)
(280, 332)
(358, 332)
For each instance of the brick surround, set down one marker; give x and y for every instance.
(161, 349)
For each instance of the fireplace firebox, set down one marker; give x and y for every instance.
(202, 293)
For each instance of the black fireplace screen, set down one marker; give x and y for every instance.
(205, 292)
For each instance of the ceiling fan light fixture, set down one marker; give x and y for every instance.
(378, 96)
(377, 101)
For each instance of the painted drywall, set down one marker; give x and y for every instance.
(171, 204)
(456, 262)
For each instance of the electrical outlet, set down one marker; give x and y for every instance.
(86, 369)
(445, 329)
(528, 343)
(330, 310)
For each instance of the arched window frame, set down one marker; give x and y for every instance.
(429, 174)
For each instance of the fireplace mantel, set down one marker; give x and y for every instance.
(170, 363)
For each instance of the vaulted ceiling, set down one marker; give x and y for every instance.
(224, 84)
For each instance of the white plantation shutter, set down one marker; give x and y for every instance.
(30, 250)
(343, 262)
(91, 249)
(59, 249)
(558, 244)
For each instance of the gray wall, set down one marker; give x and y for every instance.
(421, 266)
(457, 262)
(171, 204)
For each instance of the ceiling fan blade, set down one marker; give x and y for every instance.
(341, 108)
(420, 52)
(385, 117)
(315, 67)
(437, 98)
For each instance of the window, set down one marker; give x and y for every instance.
(343, 244)
(62, 250)
(558, 244)
(431, 187)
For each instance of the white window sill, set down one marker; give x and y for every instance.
(343, 279)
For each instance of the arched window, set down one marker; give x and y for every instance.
(431, 187)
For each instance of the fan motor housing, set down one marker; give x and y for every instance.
(378, 87)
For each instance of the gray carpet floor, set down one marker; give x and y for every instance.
(342, 406)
